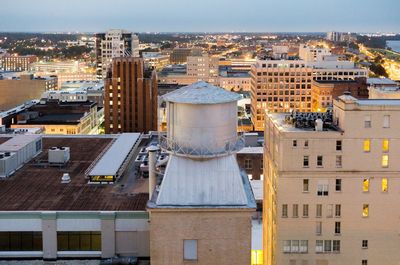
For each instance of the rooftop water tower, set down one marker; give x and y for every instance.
(204, 203)
(201, 121)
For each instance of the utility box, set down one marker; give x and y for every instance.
(59, 155)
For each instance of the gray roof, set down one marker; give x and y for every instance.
(111, 161)
(201, 93)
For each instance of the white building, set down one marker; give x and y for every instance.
(313, 54)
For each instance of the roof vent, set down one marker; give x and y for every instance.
(65, 178)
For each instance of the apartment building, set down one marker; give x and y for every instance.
(285, 85)
(130, 99)
(11, 63)
(203, 68)
(16, 91)
(179, 55)
(279, 86)
(112, 44)
(312, 54)
(330, 191)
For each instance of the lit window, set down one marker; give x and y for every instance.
(365, 210)
(384, 185)
(367, 145)
(385, 161)
(111, 103)
(189, 249)
(366, 185)
(385, 145)
(386, 121)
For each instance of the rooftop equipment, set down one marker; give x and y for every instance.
(59, 155)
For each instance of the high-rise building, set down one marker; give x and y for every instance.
(330, 191)
(130, 98)
(333, 36)
(13, 63)
(201, 212)
(203, 68)
(112, 44)
(285, 85)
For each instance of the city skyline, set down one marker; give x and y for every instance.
(201, 16)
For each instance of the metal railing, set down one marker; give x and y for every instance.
(203, 151)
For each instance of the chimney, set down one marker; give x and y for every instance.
(152, 169)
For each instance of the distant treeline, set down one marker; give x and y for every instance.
(376, 42)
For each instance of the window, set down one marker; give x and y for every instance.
(319, 246)
(303, 246)
(366, 185)
(337, 228)
(305, 210)
(364, 262)
(385, 161)
(79, 241)
(330, 211)
(318, 228)
(384, 184)
(21, 241)
(322, 189)
(386, 121)
(385, 145)
(306, 185)
(367, 122)
(365, 210)
(327, 245)
(190, 249)
(338, 145)
(287, 246)
(305, 161)
(367, 145)
(336, 245)
(284, 210)
(318, 212)
(295, 246)
(319, 161)
(364, 244)
(339, 161)
(248, 164)
(294, 143)
(295, 210)
(338, 210)
(338, 186)
(306, 144)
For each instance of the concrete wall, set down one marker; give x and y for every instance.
(223, 237)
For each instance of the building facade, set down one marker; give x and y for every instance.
(203, 68)
(330, 191)
(130, 100)
(112, 44)
(10, 63)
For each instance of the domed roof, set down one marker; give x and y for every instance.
(201, 93)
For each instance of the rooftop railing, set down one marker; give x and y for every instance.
(189, 149)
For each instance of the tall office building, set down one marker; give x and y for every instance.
(203, 68)
(130, 99)
(112, 44)
(201, 212)
(331, 191)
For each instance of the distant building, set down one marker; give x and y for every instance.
(155, 60)
(60, 117)
(312, 54)
(333, 36)
(55, 67)
(328, 185)
(324, 92)
(251, 160)
(18, 90)
(112, 44)
(280, 52)
(179, 55)
(11, 63)
(203, 68)
(131, 99)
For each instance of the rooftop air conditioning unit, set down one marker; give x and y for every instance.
(59, 155)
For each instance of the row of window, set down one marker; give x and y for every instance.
(323, 186)
(368, 122)
(66, 241)
(338, 162)
(332, 210)
(321, 246)
(366, 145)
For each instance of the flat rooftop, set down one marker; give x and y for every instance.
(37, 187)
(63, 118)
(279, 120)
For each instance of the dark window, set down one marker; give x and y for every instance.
(337, 227)
(21, 241)
(364, 244)
(305, 161)
(338, 185)
(294, 143)
(78, 241)
(319, 161)
(338, 145)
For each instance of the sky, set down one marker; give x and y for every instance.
(200, 15)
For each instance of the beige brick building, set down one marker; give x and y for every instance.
(330, 195)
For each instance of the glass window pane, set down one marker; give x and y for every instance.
(85, 241)
(73, 241)
(37, 241)
(4, 241)
(15, 241)
(96, 241)
(26, 241)
(62, 241)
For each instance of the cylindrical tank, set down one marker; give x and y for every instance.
(203, 117)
